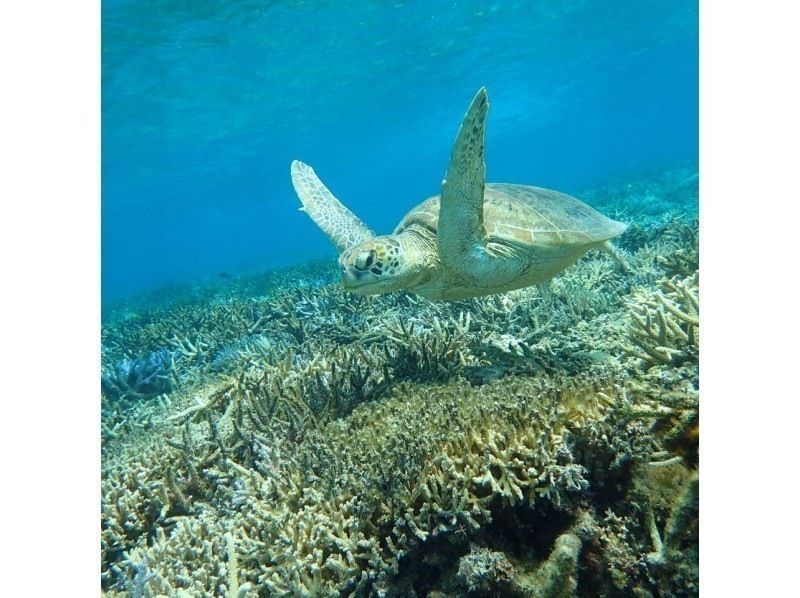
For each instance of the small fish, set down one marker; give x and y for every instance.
(224, 275)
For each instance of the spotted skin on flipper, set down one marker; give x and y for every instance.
(343, 227)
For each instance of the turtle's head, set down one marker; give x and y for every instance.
(378, 265)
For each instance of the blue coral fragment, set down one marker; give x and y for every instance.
(140, 377)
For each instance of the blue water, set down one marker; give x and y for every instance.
(205, 104)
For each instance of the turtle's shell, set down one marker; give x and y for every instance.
(528, 217)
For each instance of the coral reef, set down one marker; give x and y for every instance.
(274, 436)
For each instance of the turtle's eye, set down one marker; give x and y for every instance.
(364, 260)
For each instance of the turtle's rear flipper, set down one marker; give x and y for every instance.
(340, 224)
(614, 253)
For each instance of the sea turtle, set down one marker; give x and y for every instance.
(475, 239)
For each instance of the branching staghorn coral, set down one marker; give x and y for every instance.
(590, 288)
(376, 533)
(679, 247)
(371, 521)
(664, 325)
(137, 497)
(333, 379)
(201, 539)
(341, 509)
(225, 337)
(434, 352)
(148, 485)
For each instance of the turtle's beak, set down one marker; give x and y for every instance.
(355, 281)
(351, 278)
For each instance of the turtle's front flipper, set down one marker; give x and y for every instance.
(461, 209)
(340, 224)
(461, 236)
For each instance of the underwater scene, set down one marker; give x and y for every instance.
(399, 299)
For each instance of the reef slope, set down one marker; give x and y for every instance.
(274, 436)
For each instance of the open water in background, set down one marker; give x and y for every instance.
(205, 103)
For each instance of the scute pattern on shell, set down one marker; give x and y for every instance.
(526, 216)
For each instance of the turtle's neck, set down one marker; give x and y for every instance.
(419, 250)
